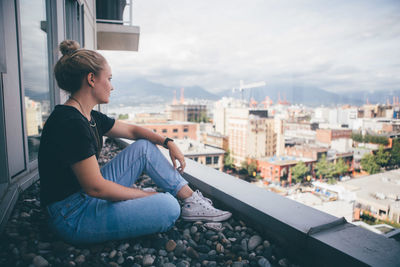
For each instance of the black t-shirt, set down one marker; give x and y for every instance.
(67, 138)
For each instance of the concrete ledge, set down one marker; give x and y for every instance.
(311, 236)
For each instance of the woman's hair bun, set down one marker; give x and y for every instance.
(68, 46)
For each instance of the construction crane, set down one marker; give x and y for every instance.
(243, 86)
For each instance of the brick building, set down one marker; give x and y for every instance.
(326, 136)
(174, 129)
(306, 151)
(276, 168)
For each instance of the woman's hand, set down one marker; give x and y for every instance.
(176, 154)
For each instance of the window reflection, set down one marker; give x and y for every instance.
(35, 70)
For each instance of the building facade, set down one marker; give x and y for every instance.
(174, 129)
(30, 32)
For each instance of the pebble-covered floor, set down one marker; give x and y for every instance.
(26, 241)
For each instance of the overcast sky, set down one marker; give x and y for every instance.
(335, 45)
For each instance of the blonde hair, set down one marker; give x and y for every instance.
(75, 64)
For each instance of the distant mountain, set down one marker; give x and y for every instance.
(296, 94)
(138, 91)
(37, 96)
(375, 97)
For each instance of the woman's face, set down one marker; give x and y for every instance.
(102, 85)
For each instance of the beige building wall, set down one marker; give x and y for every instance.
(237, 133)
(262, 138)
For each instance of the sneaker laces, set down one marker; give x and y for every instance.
(203, 197)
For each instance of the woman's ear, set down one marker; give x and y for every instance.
(90, 79)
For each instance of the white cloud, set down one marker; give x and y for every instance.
(336, 45)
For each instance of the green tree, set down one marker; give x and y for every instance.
(123, 116)
(395, 154)
(382, 157)
(357, 137)
(341, 167)
(368, 164)
(324, 169)
(299, 171)
(248, 168)
(228, 160)
(252, 168)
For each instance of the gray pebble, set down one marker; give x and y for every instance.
(254, 241)
(80, 259)
(193, 229)
(169, 264)
(263, 262)
(71, 264)
(163, 253)
(112, 254)
(120, 260)
(148, 260)
(39, 261)
(180, 248)
(123, 247)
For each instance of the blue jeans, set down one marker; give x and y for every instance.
(83, 219)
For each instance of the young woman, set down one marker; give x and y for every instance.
(87, 204)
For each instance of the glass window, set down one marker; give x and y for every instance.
(155, 130)
(196, 159)
(185, 130)
(164, 130)
(208, 160)
(216, 159)
(35, 70)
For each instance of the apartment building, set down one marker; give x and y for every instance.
(30, 32)
(252, 134)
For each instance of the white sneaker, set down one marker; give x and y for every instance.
(199, 208)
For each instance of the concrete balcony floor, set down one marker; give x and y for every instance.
(26, 241)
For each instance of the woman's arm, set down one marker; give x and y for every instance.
(134, 132)
(92, 182)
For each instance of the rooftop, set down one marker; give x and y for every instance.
(193, 148)
(377, 188)
(27, 240)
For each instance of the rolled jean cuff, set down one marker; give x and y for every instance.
(179, 187)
